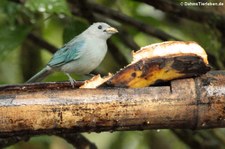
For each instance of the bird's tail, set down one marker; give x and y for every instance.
(40, 75)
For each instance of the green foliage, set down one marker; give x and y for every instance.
(11, 38)
(9, 12)
(49, 6)
(12, 31)
(43, 142)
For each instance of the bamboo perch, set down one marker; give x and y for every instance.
(53, 108)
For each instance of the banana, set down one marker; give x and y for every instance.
(157, 63)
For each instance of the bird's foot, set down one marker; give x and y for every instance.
(72, 81)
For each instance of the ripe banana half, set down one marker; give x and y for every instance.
(157, 63)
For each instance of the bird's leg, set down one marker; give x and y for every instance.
(72, 81)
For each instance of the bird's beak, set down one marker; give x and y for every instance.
(111, 30)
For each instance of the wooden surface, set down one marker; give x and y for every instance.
(49, 107)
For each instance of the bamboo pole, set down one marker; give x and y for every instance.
(50, 108)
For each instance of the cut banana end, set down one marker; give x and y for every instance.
(158, 63)
(170, 48)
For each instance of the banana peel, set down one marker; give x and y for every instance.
(157, 63)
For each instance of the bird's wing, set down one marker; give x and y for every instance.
(68, 53)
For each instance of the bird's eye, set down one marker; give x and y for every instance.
(99, 27)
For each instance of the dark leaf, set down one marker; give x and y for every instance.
(11, 38)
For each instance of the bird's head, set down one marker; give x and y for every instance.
(101, 30)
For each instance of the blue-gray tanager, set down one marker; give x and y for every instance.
(81, 55)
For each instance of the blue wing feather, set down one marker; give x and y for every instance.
(67, 53)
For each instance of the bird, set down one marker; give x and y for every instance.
(81, 55)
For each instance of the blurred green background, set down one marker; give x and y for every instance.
(31, 30)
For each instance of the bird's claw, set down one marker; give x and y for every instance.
(72, 82)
